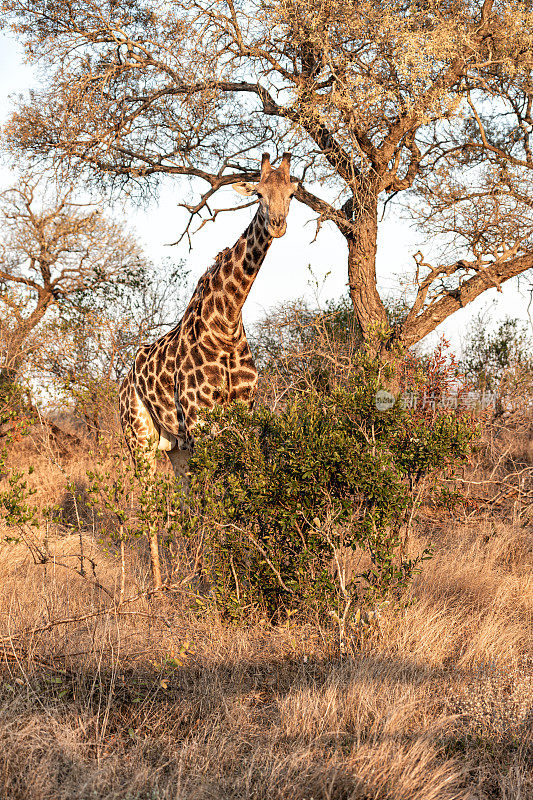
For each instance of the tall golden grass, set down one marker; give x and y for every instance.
(156, 699)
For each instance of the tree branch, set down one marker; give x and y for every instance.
(452, 300)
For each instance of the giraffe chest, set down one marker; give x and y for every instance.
(209, 366)
(203, 365)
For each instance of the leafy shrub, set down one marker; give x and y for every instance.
(133, 502)
(281, 497)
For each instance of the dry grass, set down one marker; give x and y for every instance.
(156, 700)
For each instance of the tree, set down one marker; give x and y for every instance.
(489, 356)
(424, 101)
(56, 255)
(89, 352)
(296, 345)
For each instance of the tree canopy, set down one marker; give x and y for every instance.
(55, 253)
(427, 102)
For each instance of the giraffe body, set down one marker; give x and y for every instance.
(205, 359)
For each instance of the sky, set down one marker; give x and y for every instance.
(296, 266)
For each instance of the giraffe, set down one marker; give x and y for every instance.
(205, 359)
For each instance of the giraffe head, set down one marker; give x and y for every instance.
(274, 191)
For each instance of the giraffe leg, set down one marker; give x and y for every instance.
(140, 432)
(142, 437)
(180, 461)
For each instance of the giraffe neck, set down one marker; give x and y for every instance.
(238, 268)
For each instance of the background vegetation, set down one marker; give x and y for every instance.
(271, 665)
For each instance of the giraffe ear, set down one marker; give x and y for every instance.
(245, 188)
(285, 164)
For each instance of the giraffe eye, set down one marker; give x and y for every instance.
(259, 193)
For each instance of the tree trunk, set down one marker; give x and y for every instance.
(362, 247)
(15, 352)
(362, 211)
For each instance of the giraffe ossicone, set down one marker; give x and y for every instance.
(205, 359)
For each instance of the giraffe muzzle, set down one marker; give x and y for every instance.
(277, 229)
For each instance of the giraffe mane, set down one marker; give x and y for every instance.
(220, 256)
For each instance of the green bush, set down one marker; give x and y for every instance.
(282, 498)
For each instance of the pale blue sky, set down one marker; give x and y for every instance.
(285, 274)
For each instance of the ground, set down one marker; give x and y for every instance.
(158, 697)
